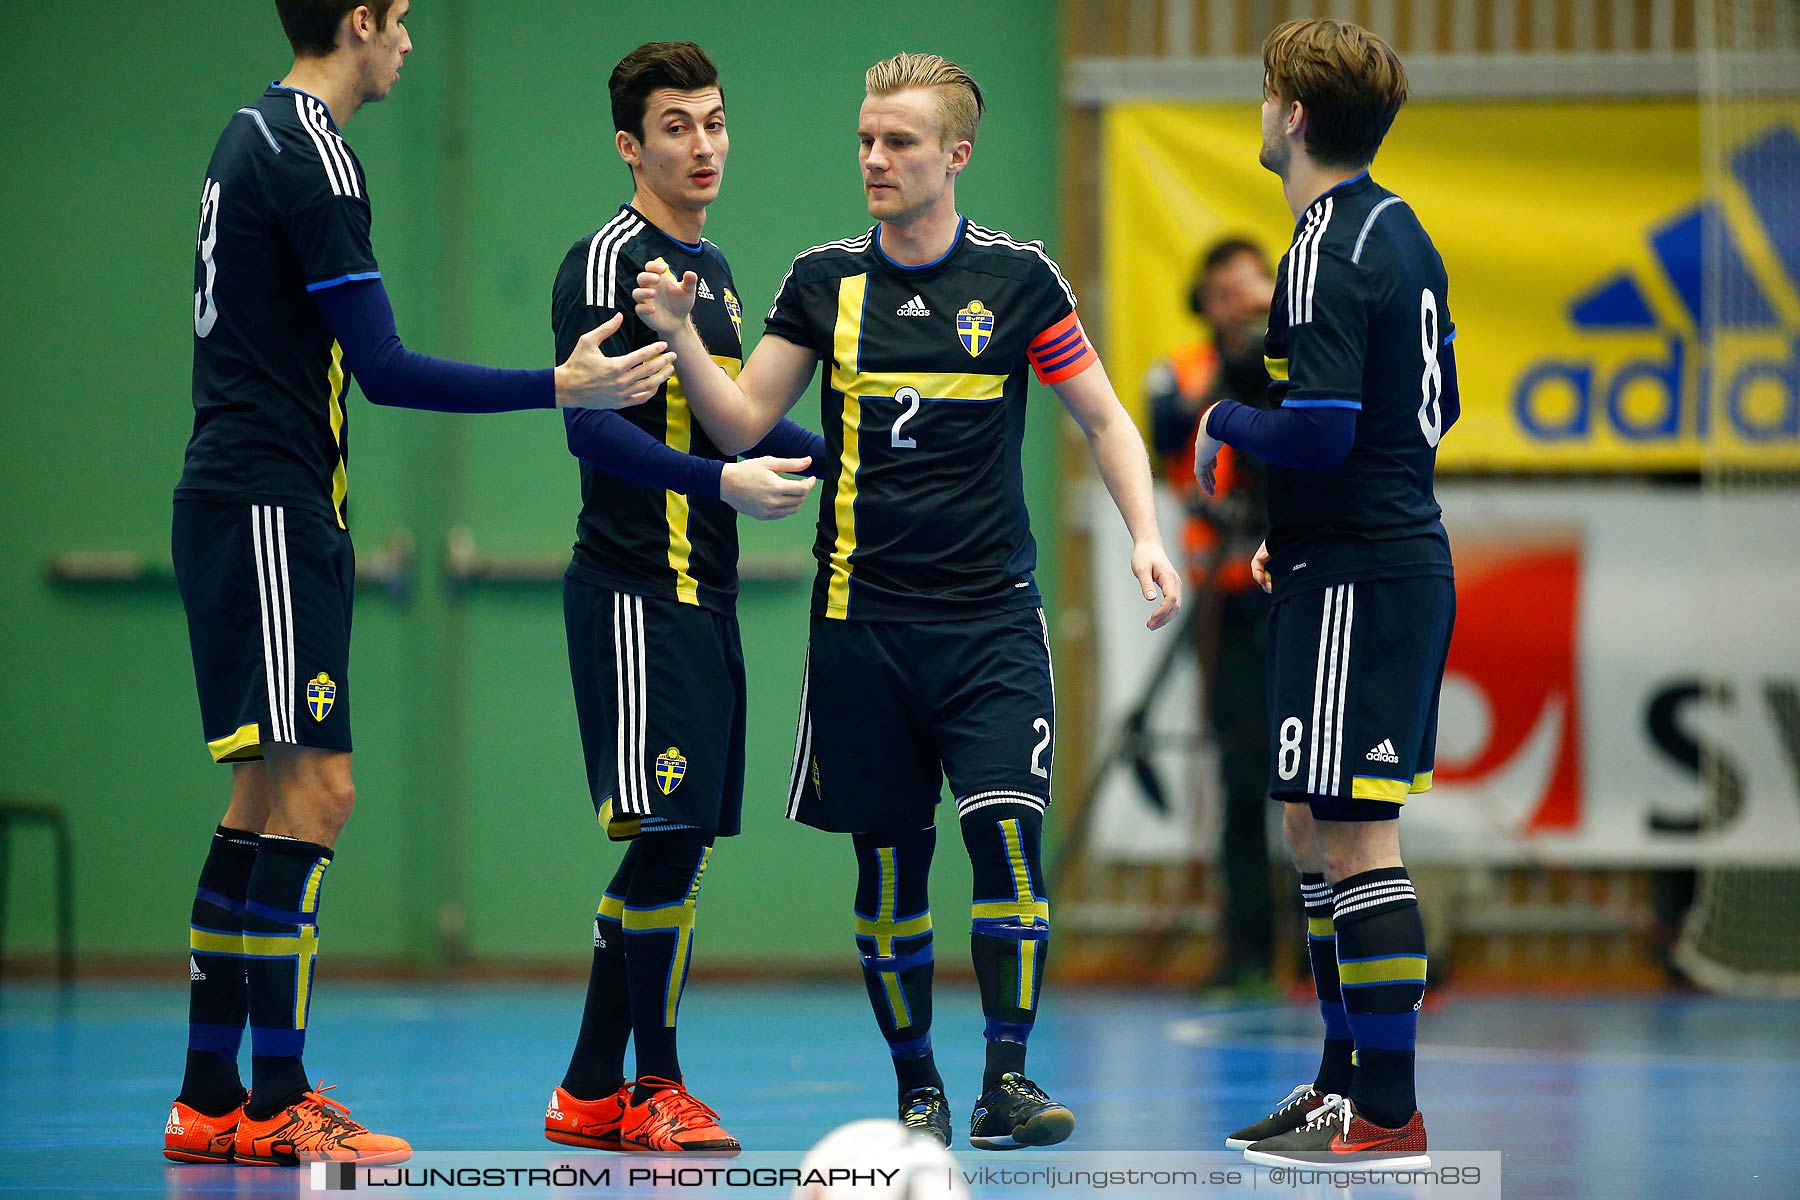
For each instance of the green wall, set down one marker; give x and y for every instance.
(473, 835)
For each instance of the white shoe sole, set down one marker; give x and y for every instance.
(1326, 1160)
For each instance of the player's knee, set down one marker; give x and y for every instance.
(1352, 847)
(332, 804)
(1298, 830)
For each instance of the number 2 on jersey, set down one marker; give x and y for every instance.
(908, 396)
(1037, 752)
(1431, 383)
(206, 311)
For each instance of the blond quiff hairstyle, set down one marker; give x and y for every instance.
(958, 97)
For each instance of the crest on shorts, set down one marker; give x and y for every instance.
(734, 309)
(671, 768)
(320, 694)
(975, 327)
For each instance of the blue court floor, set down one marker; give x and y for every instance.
(1620, 1096)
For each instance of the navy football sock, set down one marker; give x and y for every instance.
(1381, 963)
(893, 936)
(218, 992)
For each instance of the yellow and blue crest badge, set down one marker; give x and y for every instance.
(975, 327)
(671, 768)
(734, 308)
(320, 694)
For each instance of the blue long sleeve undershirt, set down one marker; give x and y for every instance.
(1317, 437)
(608, 442)
(361, 318)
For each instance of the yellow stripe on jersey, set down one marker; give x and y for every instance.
(678, 434)
(846, 349)
(678, 428)
(931, 385)
(340, 478)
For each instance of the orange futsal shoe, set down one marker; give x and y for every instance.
(193, 1137)
(313, 1129)
(671, 1121)
(590, 1123)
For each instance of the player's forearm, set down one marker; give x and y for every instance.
(733, 419)
(1125, 470)
(1305, 435)
(610, 443)
(791, 440)
(362, 320)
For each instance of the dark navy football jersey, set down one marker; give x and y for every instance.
(1360, 318)
(284, 213)
(923, 401)
(631, 538)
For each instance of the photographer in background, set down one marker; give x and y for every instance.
(1230, 293)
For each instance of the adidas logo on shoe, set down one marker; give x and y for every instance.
(175, 1128)
(913, 308)
(705, 292)
(1384, 753)
(194, 971)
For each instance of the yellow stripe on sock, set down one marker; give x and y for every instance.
(886, 887)
(303, 964)
(890, 930)
(1027, 974)
(309, 896)
(890, 983)
(1407, 968)
(1001, 910)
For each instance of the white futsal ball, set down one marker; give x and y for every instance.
(879, 1160)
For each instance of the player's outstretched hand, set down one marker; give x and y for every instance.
(1150, 563)
(1206, 451)
(663, 300)
(591, 379)
(1259, 568)
(758, 488)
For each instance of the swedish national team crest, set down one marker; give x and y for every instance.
(671, 768)
(975, 327)
(734, 308)
(320, 694)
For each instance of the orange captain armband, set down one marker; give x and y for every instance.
(1061, 351)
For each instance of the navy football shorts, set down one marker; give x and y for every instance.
(659, 693)
(268, 592)
(1354, 675)
(889, 709)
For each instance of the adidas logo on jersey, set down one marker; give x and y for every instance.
(913, 308)
(194, 971)
(1383, 753)
(705, 292)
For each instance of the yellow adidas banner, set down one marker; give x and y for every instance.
(1613, 312)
